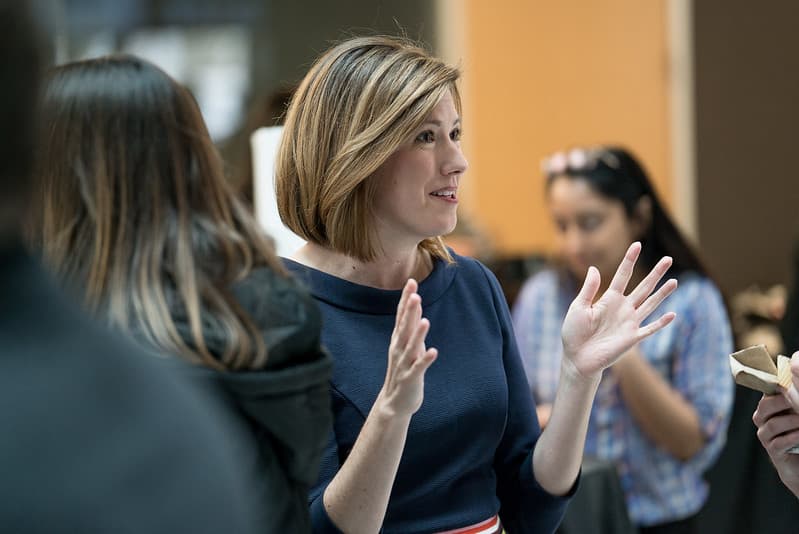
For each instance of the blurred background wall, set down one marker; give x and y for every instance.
(747, 113)
(541, 76)
(703, 91)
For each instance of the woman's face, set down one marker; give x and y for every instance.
(591, 229)
(416, 193)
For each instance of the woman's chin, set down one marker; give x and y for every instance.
(444, 229)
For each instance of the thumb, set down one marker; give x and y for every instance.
(793, 397)
(795, 370)
(590, 287)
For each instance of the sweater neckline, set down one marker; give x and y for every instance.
(366, 299)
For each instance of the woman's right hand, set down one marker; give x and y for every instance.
(408, 358)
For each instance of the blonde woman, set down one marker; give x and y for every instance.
(440, 434)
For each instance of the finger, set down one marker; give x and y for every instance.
(654, 300)
(651, 328)
(416, 341)
(793, 392)
(777, 426)
(792, 396)
(407, 291)
(625, 270)
(781, 424)
(768, 407)
(782, 442)
(648, 284)
(410, 318)
(795, 367)
(590, 286)
(423, 363)
(759, 415)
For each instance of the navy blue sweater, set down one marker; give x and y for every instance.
(469, 448)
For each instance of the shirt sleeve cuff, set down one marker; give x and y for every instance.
(529, 480)
(320, 521)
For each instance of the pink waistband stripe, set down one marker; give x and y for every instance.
(489, 526)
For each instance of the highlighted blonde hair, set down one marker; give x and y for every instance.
(358, 104)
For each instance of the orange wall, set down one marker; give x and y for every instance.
(542, 75)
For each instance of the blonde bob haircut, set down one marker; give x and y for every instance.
(360, 102)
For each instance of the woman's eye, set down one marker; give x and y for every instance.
(426, 137)
(590, 223)
(455, 134)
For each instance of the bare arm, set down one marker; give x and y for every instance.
(661, 412)
(559, 452)
(357, 497)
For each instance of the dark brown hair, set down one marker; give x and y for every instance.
(134, 209)
(614, 173)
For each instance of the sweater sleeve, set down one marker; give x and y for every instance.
(329, 466)
(524, 505)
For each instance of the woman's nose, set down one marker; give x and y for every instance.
(455, 162)
(573, 242)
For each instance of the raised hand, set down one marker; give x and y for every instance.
(408, 358)
(596, 334)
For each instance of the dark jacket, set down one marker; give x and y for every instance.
(286, 406)
(97, 436)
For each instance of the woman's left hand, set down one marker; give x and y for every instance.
(596, 334)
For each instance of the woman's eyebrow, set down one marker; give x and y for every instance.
(436, 122)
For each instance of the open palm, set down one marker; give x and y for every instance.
(596, 334)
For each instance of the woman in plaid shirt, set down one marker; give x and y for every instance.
(661, 412)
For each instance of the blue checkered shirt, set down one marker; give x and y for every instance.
(691, 354)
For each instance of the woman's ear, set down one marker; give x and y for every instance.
(642, 216)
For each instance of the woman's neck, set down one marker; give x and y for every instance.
(387, 271)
